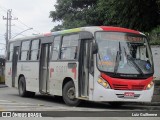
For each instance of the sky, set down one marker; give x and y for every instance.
(30, 13)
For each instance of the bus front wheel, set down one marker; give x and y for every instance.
(69, 96)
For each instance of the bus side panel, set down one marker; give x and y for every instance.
(8, 74)
(58, 71)
(91, 80)
(91, 86)
(30, 70)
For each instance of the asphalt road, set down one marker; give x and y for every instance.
(10, 101)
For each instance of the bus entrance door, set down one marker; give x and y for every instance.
(44, 64)
(14, 65)
(84, 68)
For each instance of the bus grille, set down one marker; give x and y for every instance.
(120, 87)
(127, 87)
(137, 87)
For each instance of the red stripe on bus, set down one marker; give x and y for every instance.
(127, 84)
(74, 71)
(118, 29)
(51, 71)
(10, 71)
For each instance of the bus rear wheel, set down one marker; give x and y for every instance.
(69, 96)
(22, 88)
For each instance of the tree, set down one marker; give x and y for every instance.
(72, 13)
(57, 28)
(141, 15)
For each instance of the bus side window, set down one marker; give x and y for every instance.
(10, 52)
(34, 53)
(56, 47)
(69, 48)
(25, 50)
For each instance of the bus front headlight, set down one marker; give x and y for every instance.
(103, 82)
(149, 86)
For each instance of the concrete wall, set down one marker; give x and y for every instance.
(156, 59)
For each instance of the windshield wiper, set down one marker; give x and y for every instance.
(131, 60)
(134, 64)
(118, 58)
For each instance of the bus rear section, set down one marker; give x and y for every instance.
(124, 67)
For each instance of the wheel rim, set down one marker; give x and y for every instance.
(71, 93)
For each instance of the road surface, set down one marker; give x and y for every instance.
(10, 101)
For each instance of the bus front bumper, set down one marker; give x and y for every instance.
(110, 95)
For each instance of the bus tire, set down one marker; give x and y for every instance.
(69, 94)
(22, 88)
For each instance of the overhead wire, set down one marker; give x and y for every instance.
(4, 9)
(27, 26)
(18, 20)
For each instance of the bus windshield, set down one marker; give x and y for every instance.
(123, 53)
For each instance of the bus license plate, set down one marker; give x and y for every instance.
(129, 94)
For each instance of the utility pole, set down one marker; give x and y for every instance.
(6, 29)
(8, 25)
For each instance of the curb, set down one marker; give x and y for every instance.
(152, 104)
(147, 104)
(155, 104)
(3, 86)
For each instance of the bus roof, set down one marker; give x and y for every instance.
(96, 28)
(91, 29)
(27, 37)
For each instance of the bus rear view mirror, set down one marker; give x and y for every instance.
(95, 48)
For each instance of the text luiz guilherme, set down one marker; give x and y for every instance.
(144, 115)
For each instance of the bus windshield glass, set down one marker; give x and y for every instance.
(123, 53)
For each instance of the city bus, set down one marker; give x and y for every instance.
(96, 63)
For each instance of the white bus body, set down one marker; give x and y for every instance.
(48, 73)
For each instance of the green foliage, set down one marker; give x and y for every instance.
(57, 28)
(72, 13)
(154, 36)
(142, 15)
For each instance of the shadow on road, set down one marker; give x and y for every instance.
(94, 105)
(97, 105)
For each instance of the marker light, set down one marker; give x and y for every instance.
(103, 82)
(100, 80)
(149, 86)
